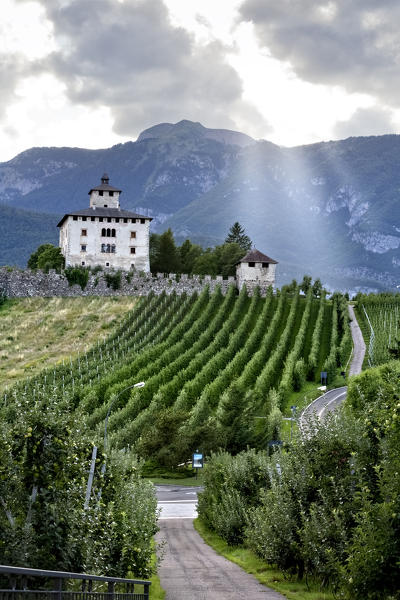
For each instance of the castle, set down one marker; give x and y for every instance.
(107, 236)
(104, 234)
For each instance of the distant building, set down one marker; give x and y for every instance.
(255, 269)
(104, 234)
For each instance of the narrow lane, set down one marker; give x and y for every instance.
(329, 402)
(190, 569)
(358, 344)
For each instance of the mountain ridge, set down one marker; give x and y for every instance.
(328, 208)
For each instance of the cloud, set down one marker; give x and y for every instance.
(129, 57)
(354, 44)
(366, 121)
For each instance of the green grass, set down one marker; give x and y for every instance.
(176, 481)
(156, 591)
(291, 588)
(36, 333)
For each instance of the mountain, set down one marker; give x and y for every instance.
(329, 209)
(22, 231)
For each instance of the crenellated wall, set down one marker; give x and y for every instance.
(18, 283)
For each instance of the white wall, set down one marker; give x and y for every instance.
(256, 275)
(71, 241)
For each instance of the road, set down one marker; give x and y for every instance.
(328, 403)
(190, 569)
(323, 405)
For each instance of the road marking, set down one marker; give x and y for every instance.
(176, 502)
(323, 409)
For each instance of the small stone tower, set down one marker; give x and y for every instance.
(255, 269)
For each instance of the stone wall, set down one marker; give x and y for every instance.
(17, 283)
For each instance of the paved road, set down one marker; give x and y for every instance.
(177, 501)
(323, 405)
(327, 403)
(190, 569)
(358, 344)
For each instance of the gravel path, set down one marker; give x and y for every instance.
(191, 570)
(358, 343)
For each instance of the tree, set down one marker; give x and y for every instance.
(188, 254)
(33, 259)
(238, 236)
(166, 256)
(228, 255)
(206, 264)
(46, 257)
(317, 288)
(306, 283)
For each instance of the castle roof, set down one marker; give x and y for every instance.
(104, 186)
(99, 211)
(257, 256)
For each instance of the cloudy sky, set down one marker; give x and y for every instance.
(93, 73)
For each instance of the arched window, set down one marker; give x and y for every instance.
(108, 248)
(103, 232)
(103, 247)
(108, 232)
(113, 248)
(112, 232)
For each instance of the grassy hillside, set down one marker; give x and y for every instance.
(36, 333)
(211, 364)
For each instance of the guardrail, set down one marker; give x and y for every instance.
(17, 583)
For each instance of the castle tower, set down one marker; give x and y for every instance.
(104, 234)
(255, 269)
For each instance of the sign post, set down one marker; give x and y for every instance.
(197, 461)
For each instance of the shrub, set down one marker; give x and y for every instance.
(77, 275)
(113, 280)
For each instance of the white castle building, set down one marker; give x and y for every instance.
(255, 269)
(104, 234)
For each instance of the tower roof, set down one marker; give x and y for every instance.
(104, 186)
(255, 255)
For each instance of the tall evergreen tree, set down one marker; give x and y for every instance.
(166, 259)
(237, 235)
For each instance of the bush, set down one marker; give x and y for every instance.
(231, 487)
(113, 280)
(77, 275)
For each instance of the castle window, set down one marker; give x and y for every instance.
(108, 219)
(103, 247)
(100, 192)
(108, 248)
(106, 206)
(107, 264)
(108, 233)
(265, 265)
(75, 218)
(103, 232)
(92, 218)
(133, 234)
(84, 232)
(117, 220)
(251, 264)
(125, 220)
(83, 247)
(112, 232)
(83, 263)
(133, 250)
(143, 221)
(113, 248)
(100, 219)
(111, 193)
(83, 218)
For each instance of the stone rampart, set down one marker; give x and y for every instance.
(18, 283)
